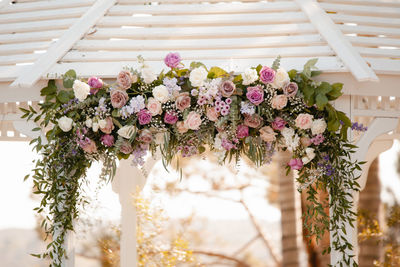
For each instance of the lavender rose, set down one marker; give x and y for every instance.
(118, 98)
(144, 117)
(267, 75)
(255, 94)
(125, 79)
(170, 118)
(172, 60)
(125, 147)
(182, 102)
(278, 124)
(242, 131)
(227, 88)
(290, 90)
(107, 140)
(253, 121)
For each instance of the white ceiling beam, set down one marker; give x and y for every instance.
(32, 74)
(338, 42)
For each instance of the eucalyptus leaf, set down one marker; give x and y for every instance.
(68, 78)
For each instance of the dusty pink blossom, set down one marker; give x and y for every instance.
(126, 147)
(170, 117)
(267, 75)
(154, 106)
(305, 141)
(172, 60)
(255, 94)
(290, 89)
(180, 125)
(227, 88)
(278, 124)
(193, 121)
(242, 131)
(267, 134)
(253, 121)
(304, 121)
(182, 102)
(107, 140)
(145, 136)
(212, 114)
(109, 126)
(125, 79)
(144, 117)
(89, 146)
(279, 102)
(296, 164)
(118, 98)
(95, 82)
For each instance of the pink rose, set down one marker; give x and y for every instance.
(172, 60)
(253, 121)
(279, 102)
(278, 124)
(290, 89)
(109, 126)
(125, 147)
(304, 121)
(182, 102)
(180, 125)
(144, 117)
(145, 136)
(95, 82)
(118, 98)
(193, 121)
(267, 134)
(227, 88)
(212, 114)
(89, 146)
(242, 131)
(255, 94)
(154, 106)
(296, 164)
(305, 141)
(170, 117)
(107, 140)
(267, 75)
(125, 79)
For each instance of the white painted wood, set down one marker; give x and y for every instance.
(9, 73)
(374, 41)
(13, 59)
(384, 66)
(7, 49)
(201, 54)
(192, 20)
(370, 30)
(37, 25)
(371, 52)
(4, 4)
(362, 10)
(70, 37)
(11, 94)
(352, 59)
(202, 32)
(30, 36)
(366, 20)
(196, 9)
(192, 44)
(42, 15)
(45, 5)
(176, 1)
(394, 3)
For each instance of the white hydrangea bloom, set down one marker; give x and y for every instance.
(249, 76)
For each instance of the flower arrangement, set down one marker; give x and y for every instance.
(183, 112)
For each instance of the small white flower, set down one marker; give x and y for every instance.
(65, 123)
(161, 93)
(148, 75)
(127, 131)
(310, 155)
(249, 76)
(95, 126)
(281, 78)
(102, 123)
(318, 126)
(81, 90)
(89, 123)
(198, 76)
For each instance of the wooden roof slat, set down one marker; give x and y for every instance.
(366, 20)
(35, 26)
(374, 41)
(362, 10)
(12, 38)
(45, 5)
(7, 49)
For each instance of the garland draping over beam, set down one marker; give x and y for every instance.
(184, 112)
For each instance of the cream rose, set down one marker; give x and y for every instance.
(318, 126)
(161, 93)
(281, 78)
(102, 123)
(81, 90)
(148, 75)
(95, 126)
(198, 76)
(65, 123)
(304, 121)
(154, 106)
(279, 102)
(310, 155)
(180, 125)
(249, 76)
(193, 121)
(89, 123)
(127, 131)
(267, 134)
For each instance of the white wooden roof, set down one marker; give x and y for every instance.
(40, 39)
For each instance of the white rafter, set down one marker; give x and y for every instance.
(338, 42)
(30, 75)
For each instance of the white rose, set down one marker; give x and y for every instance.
(89, 123)
(65, 123)
(318, 126)
(102, 124)
(127, 131)
(287, 132)
(161, 93)
(249, 76)
(310, 155)
(281, 78)
(81, 90)
(148, 75)
(197, 77)
(95, 126)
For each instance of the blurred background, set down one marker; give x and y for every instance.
(214, 216)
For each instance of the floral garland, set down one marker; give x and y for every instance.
(183, 112)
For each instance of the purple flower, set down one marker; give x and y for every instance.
(107, 140)
(172, 60)
(267, 75)
(278, 124)
(242, 131)
(227, 145)
(295, 164)
(95, 83)
(255, 94)
(144, 117)
(318, 139)
(170, 117)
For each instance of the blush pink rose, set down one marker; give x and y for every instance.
(193, 121)
(242, 131)
(290, 89)
(182, 102)
(125, 147)
(253, 121)
(144, 117)
(279, 102)
(267, 134)
(255, 94)
(296, 164)
(267, 75)
(180, 125)
(89, 146)
(154, 106)
(212, 114)
(170, 117)
(118, 98)
(107, 140)
(95, 82)
(172, 60)
(304, 121)
(145, 136)
(125, 79)
(305, 141)
(109, 126)
(227, 88)
(278, 124)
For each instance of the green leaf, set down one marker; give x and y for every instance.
(336, 91)
(321, 100)
(238, 78)
(69, 78)
(343, 117)
(50, 89)
(216, 72)
(202, 149)
(309, 93)
(292, 74)
(115, 113)
(308, 66)
(195, 65)
(259, 67)
(277, 63)
(324, 88)
(315, 73)
(333, 125)
(63, 96)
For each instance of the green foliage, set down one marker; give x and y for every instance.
(216, 72)
(68, 78)
(276, 63)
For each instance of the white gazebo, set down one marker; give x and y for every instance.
(357, 43)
